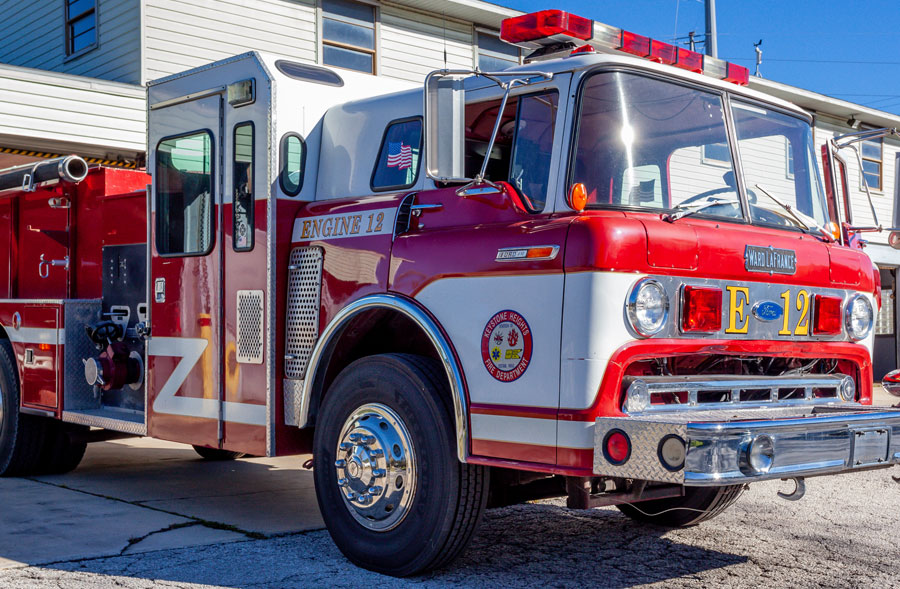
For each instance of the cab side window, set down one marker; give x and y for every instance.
(184, 173)
(242, 210)
(523, 147)
(397, 166)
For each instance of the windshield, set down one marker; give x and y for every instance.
(651, 144)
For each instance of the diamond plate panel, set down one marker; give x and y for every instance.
(645, 437)
(293, 392)
(78, 395)
(250, 326)
(302, 320)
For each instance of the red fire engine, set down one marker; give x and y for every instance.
(588, 276)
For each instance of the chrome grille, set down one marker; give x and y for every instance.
(250, 326)
(302, 320)
(677, 393)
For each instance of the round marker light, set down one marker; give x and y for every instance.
(858, 317)
(758, 455)
(616, 447)
(648, 307)
(671, 452)
(848, 389)
(637, 397)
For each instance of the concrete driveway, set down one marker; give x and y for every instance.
(142, 494)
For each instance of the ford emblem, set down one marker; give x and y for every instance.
(767, 311)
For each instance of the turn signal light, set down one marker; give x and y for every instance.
(616, 447)
(544, 24)
(827, 315)
(701, 309)
(578, 197)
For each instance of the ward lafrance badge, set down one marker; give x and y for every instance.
(506, 346)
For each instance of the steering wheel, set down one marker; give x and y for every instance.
(703, 195)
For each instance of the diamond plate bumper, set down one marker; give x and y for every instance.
(807, 442)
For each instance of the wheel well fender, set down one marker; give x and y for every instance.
(321, 367)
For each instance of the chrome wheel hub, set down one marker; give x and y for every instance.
(376, 467)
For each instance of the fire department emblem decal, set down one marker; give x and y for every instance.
(506, 346)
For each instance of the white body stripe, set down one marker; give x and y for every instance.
(593, 329)
(190, 350)
(463, 306)
(519, 430)
(37, 335)
(342, 226)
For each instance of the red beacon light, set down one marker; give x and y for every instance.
(547, 26)
(550, 27)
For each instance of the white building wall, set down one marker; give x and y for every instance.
(51, 111)
(182, 34)
(34, 35)
(414, 44)
(883, 200)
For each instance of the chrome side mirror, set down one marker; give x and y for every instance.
(445, 109)
(891, 382)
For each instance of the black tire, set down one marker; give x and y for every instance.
(21, 436)
(60, 453)
(216, 454)
(449, 496)
(696, 506)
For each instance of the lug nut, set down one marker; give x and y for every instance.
(368, 440)
(343, 482)
(376, 452)
(375, 490)
(340, 463)
(355, 437)
(365, 498)
(378, 472)
(346, 446)
(351, 495)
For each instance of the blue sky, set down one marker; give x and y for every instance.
(849, 50)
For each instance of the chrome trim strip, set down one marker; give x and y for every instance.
(110, 423)
(524, 258)
(733, 384)
(423, 320)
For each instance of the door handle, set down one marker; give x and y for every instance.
(44, 265)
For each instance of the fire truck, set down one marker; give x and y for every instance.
(583, 276)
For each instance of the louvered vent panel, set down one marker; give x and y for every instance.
(302, 321)
(250, 326)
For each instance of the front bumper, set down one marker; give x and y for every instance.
(807, 441)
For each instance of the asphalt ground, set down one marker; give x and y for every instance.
(144, 513)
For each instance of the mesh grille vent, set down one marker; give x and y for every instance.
(302, 321)
(250, 326)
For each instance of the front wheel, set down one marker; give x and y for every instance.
(394, 496)
(697, 505)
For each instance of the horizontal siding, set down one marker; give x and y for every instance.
(38, 39)
(413, 44)
(181, 34)
(882, 200)
(71, 109)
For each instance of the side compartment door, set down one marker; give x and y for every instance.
(184, 352)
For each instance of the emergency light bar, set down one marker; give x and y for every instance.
(551, 27)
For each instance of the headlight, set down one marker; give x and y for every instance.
(648, 307)
(858, 317)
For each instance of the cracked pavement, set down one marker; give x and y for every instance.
(144, 513)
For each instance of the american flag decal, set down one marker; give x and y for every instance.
(399, 155)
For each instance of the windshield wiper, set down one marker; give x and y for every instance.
(689, 209)
(803, 221)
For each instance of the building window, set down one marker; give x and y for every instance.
(788, 159)
(871, 151)
(348, 35)
(81, 26)
(495, 55)
(716, 154)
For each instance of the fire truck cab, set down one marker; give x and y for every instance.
(578, 277)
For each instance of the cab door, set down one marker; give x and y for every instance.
(488, 264)
(184, 351)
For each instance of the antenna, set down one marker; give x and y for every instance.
(758, 57)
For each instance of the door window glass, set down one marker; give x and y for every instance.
(397, 166)
(243, 187)
(532, 148)
(293, 160)
(184, 195)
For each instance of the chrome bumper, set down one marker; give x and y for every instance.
(807, 441)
